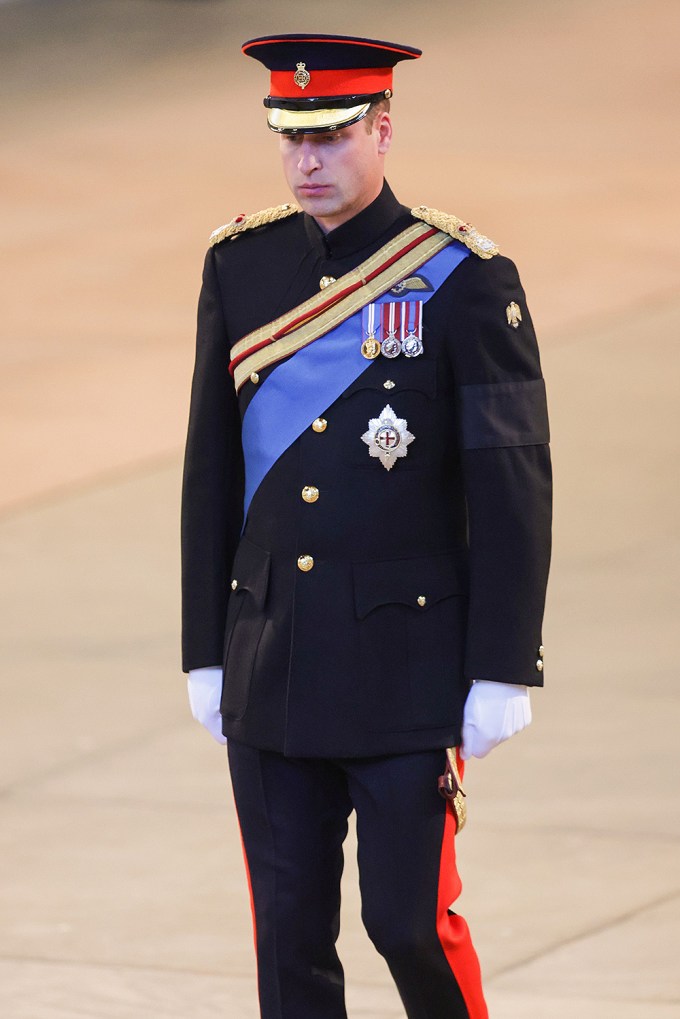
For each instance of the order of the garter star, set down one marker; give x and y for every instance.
(387, 437)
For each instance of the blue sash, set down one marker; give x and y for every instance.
(301, 388)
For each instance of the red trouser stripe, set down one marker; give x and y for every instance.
(453, 931)
(250, 889)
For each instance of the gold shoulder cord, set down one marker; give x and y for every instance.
(239, 224)
(458, 228)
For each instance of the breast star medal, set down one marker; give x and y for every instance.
(387, 438)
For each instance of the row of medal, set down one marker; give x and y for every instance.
(392, 329)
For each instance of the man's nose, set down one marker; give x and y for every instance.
(309, 159)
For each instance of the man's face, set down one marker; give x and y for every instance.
(335, 175)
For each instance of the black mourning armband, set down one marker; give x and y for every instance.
(504, 414)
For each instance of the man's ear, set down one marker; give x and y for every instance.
(383, 126)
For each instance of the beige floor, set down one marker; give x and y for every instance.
(131, 129)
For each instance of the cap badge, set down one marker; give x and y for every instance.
(302, 77)
(514, 315)
(387, 438)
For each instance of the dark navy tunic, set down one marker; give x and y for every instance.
(424, 577)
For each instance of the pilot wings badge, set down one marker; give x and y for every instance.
(387, 438)
(412, 283)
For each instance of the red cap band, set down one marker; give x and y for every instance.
(349, 82)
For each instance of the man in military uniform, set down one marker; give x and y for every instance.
(366, 528)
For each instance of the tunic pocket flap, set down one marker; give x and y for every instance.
(419, 583)
(251, 571)
(413, 373)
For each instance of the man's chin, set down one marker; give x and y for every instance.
(318, 202)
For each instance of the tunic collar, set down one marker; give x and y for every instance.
(360, 231)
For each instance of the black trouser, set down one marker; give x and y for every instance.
(293, 815)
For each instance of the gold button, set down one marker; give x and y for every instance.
(326, 281)
(422, 600)
(320, 425)
(541, 651)
(539, 665)
(234, 585)
(388, 384)
(310, 493)
(254, 378)
(305, 563)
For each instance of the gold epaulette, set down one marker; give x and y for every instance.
(239, 224)
(462, 231)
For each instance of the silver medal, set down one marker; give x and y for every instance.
(387, 438)
(412, 326)
(391, 346)
(413, 347)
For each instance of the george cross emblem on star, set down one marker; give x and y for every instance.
(387, 438)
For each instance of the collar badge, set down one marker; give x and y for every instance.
(387, 438)
(302, 77)
(513, 314)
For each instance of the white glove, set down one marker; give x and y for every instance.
(493, 713)
(205, 691)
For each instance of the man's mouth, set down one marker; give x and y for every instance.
(313, 189)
